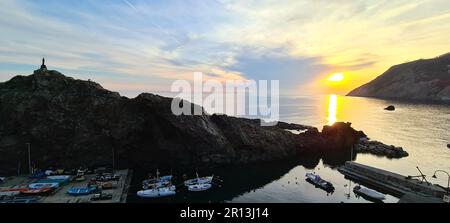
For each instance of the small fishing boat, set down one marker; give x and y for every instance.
(199, 180)
(157, 192)
(319, 182)
(199, 187)
(59, 177)
(43, 185)
(368, 193)
(157, 182)
(75, 191)
(39, 191)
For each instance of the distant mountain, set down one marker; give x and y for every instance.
(425, 80)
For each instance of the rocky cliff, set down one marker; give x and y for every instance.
(425, 80)
(70, 123)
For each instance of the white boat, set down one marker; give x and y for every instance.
(199, 187)
(157, 192)
(59, 177)
(199, 180)
(369, 193)
(43, 185)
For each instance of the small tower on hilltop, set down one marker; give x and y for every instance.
(43, 67)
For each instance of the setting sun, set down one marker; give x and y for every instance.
(337, 77)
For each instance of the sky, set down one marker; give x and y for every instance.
(134, 46)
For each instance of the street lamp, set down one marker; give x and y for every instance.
(448, 183)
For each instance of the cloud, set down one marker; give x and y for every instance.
(135, 42)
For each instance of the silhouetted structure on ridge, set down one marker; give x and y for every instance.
(43, 64)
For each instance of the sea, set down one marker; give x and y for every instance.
(422, 129)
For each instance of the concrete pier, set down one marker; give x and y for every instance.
(408, 190)
(119, 191)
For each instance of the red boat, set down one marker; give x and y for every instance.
(40, 191)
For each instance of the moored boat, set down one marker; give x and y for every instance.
(319, 182)
(43, 185)
(157, 182)
(59, 177)
(75, 191)
(199, 187)
(157, 192)
(39, 191)
(199, 180)
(368, 193)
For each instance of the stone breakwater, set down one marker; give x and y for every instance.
(380, 149)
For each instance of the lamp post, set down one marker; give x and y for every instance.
(448, 183)
(29, 158)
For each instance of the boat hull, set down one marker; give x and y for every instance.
(369, 194)
(158, 192)
(199, 187)
(319, 182)
(201, 180)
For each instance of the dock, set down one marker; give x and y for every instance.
(119, 191)
(407, 189)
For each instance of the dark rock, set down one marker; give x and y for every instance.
(448, 146)
(390, 108)
(71, 123)
(297, 127)
(378, 148)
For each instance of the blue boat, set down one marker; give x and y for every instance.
(75, 191)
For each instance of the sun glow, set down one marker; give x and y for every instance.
(337, 77)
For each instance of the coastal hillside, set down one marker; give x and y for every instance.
(425, 80)
(72, 123)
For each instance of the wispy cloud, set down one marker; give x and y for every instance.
(129, 4)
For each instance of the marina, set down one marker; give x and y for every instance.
(18, 189)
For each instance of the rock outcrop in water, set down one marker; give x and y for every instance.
(425, 80)
(71, 122)
(380, 149)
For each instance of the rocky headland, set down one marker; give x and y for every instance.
(421, 80)
(71, 123)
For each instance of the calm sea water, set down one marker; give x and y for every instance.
(421, 129)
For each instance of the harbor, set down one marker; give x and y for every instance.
(24, 189)
(410, 189)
